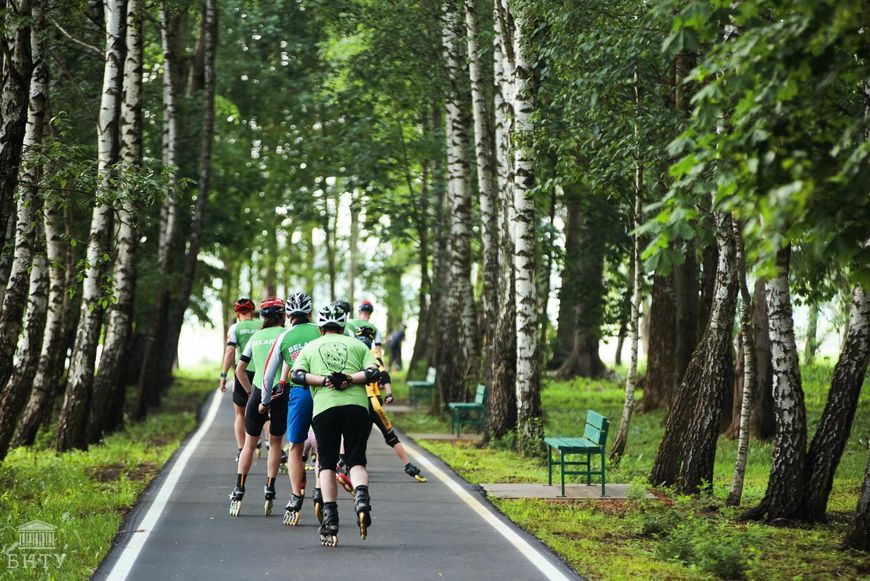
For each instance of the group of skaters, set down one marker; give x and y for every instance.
(322, 385)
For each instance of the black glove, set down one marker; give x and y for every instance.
(384, 378)
(339, 380)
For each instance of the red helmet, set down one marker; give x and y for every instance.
(366, 306)
(244, 305)
(271, 306)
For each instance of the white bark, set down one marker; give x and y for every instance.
(529, 420)
(124, 273)
(169, 207)
(73, 417)
(485, 177)
(748, 334)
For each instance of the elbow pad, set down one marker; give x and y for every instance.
(372, 374)
(297, 376)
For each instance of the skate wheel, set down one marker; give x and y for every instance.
(363, 529)
(291, 519)
(267, 507)
(235, 506)
(420, 478)
(330, 541)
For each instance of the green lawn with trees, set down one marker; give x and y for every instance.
(522, 181)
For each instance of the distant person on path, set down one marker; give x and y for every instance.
(337, 367)
(237, 338)
(394, 342)
(283, 354)
(259, 410)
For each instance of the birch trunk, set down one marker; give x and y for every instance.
(71, 425)
(485, 176)
(786, 485)
(455, 370)
(687, 452)
(170, 351)
(51, 357)
(832, 434)
(108, 389)
(422, 349)
(155, 335)
(17, 70)
(502, 399)
(811, 346)
(354, 250)
(530, 425)
(749, 376)
(15, 297)
(618, 449)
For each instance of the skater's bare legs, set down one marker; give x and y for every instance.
(239, 425)
(359, 476)
(246, 458)
(274, 460)
(328, 486)
(296, 468)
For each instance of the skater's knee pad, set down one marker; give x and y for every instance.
(391, 438)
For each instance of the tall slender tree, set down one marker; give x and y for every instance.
(71, 425)
(108, 389)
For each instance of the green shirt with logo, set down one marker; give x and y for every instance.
(335, 353)
(286, 349)
(257, 351)
(240, 333)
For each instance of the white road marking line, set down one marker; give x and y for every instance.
(529, 552)
(134, 546)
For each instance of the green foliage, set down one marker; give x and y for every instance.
(713, 547)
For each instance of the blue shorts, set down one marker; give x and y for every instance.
(300, 408)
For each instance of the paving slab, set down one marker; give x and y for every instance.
(554, 492)
(465, 437)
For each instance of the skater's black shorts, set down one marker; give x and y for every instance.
(277, 412)
(352, 422)
(240, 396)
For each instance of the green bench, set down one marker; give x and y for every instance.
(423, 390)
(472, 413)
(593, 442)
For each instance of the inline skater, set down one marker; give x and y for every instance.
(379, 416)
(337, 367)
(283, 353)
(259, 410)
(237, 337)
(365, 310)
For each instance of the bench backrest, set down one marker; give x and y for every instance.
(480, 394)
(430, 375)
(596, 428)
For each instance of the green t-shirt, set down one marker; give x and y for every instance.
(257, 350)
(354, 325)
(335, 353)
(286, 350)
(240, 333)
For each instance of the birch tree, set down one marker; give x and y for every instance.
(502, 407)
(17, 69)
(618, 448)
(30, 254)
(747, 334)
(454, 370)
(71, 432)
(785, 486)
(108, 390)
(530, 425)
(50, 366)
(485, 176)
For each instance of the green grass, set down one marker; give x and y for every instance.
(86, 494)
(700, 538)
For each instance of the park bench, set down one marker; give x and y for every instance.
(471, 413)
(594, 441)
(423, 390)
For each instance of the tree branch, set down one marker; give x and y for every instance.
(76, 40)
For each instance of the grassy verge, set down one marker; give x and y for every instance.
(672, 537)
(86, 494)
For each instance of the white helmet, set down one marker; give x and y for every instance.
(331, 315)
(298, 304)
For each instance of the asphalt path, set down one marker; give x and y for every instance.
(443, 529)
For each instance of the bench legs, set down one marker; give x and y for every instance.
(588, 472)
